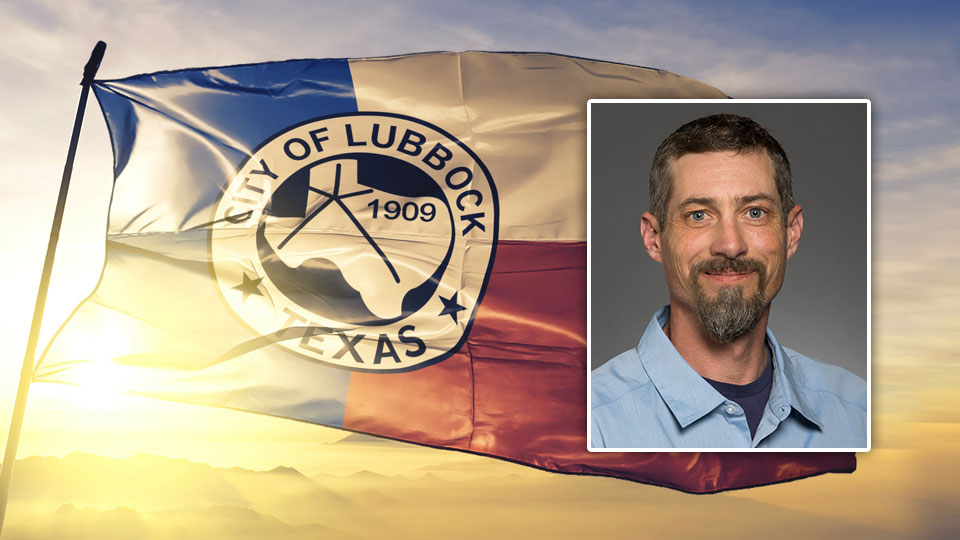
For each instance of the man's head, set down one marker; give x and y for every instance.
(717, 133)
(722, 221)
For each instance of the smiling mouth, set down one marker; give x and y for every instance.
(728, 278)
(723, 272)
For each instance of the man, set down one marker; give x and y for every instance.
(707, 372)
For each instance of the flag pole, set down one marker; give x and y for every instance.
(26, 373)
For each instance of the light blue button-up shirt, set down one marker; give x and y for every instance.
(649, 397)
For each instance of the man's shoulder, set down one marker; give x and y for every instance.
(618, 377)
(822, 380)
(620, 389)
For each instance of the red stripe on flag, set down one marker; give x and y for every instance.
(433, 405)
(517, 388)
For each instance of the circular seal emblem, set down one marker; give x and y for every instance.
(362, 240)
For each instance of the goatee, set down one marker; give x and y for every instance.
(728, 315)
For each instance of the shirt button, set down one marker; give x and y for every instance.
(730, 409)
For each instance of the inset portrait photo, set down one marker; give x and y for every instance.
(728, 275)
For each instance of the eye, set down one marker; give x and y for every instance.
(699, 215)
(756, 213)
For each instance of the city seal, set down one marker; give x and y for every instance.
(362, 240)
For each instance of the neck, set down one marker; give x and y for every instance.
(739, 362)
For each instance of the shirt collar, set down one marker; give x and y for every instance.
(689, 397)
(787, 391)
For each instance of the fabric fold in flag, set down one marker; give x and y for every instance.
(393, 246)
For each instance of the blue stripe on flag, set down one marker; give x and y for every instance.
(211, 120)
(234, 99)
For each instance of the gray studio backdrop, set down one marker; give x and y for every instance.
(821, 310)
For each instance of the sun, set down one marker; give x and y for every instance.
(100, 381)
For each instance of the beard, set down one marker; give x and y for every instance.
(728, 315)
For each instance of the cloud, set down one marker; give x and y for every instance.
(941, 164)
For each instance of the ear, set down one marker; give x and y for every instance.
(650, 230)
(794, 229)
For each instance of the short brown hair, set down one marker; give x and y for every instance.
(716, 133)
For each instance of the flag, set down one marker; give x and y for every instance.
(393, 246)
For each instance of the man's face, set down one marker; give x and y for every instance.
(724, 246)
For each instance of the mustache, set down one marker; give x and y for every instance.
(722, 264)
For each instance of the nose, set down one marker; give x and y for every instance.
(728, 240)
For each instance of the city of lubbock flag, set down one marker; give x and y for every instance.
(393, 246)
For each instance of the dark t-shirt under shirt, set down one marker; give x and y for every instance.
(752, 397)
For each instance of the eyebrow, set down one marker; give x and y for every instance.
(740, 200)
(747, 199)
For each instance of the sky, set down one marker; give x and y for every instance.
(902, 57)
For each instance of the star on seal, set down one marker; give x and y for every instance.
(451, 307)
(249, 286)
